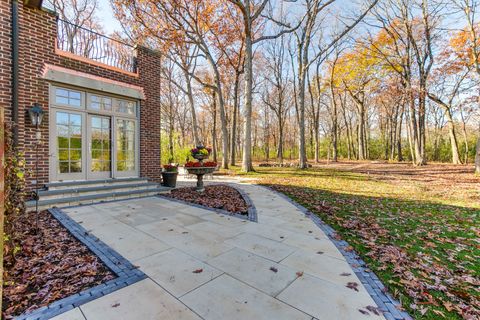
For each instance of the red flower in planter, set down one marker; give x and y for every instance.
(170, 168)
(210, 164)
(192, 164)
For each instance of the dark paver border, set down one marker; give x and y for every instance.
(390, 306)
(126, 273)
(251, 210)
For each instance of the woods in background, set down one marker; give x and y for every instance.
(289, 81)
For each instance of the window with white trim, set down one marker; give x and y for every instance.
(100, 103)
(125, 106)
(68, 97)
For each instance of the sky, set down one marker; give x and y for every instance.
(110, 24)
(105, 14)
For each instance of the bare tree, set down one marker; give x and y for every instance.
(447, 90)
(470, 9)
(183, 21)
(278, 79)
(252, 12)
(185, 57)
(77, 15)
(304, 37)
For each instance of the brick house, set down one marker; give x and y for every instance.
(100, 98)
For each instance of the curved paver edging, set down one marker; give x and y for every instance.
(374, 286)
(126, 273)
(251, 210)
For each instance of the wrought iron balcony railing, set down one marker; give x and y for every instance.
(95, 46)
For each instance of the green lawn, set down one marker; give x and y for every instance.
(419, 230)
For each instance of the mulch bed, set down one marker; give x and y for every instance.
(218, 197)
(51, 265)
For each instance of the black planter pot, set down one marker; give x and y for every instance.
(169, 179)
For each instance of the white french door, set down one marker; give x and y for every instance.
(68, 137)
(126, 159)
(92, 136)
(99, 140)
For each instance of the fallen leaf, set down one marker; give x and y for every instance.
(363, 312)
(374, 310)
(353, 286)
(438, 313)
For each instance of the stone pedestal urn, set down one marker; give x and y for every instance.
(200, 172)
(200, 153)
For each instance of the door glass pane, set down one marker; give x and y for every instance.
(125, 145)
(69, 142)
(100, 144)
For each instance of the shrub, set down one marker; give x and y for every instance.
(15, 194)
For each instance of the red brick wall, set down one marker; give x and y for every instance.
(5, 56)
(38, 32)
(148, 69)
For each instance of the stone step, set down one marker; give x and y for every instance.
(91, 190)
(95, 198)
(63, 185)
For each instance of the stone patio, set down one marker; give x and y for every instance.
(283, 267)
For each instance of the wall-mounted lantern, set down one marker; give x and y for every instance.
(36, 115)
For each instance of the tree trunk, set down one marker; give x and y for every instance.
(233, 141)
(214, 127)
(361, 133)
(223, 120)
(335, 142)
(334, 124)
(191, 102)
(280, 140)
(247, 147)
(399, 137)
(221, 106)
(417, 156)
(477, 157)
(453, 138)
(349, 137)
(465, 138)
(451, 127)
(170, 142)
(302, 153)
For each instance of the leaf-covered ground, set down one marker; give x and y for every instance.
(417, 228)
(51, 265)
(216, 196)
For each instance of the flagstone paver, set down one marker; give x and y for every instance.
(329, 300)
(260, 273)
(74, 314)
(204, 265)
(264, 247)
(143, 300)
(177, 272)
(227, 298)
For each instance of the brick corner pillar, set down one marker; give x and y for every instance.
(148, 66)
